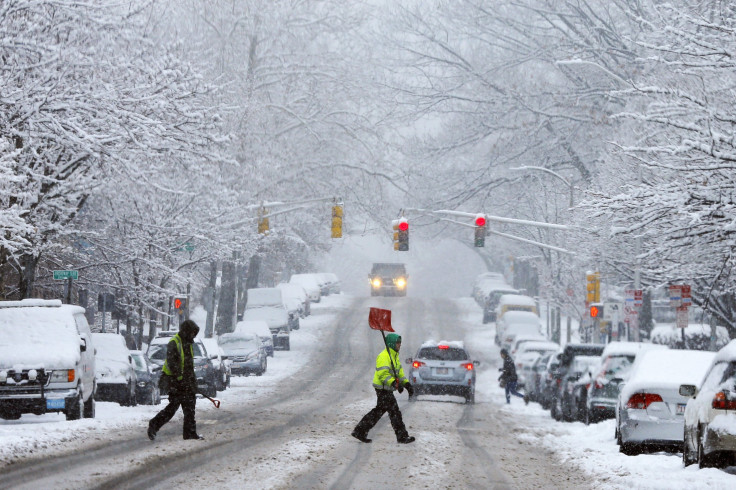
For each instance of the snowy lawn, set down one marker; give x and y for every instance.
(32, 433)
(591, 449)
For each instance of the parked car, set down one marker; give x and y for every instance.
(297, 292)
(535, 380)
(310, 285)
(246, 352)
(388, 279)
(515, 302)
(517, 323)
(569, 353)
(443, 368)
(575, 386)
(492, 296)
(47, 360)
(486, 282)
(259, 328)
(148, 374)
(115, 375)
(650, 410)
(616, 362)
(204, 370)
(220, 362)
(333, 282)
(549, 382)
(273, 298)
(526, 356)
(517, 341)
(278, 322)
(710, 431)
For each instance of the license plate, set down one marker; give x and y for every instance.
(442, 371)
(53, 403)
(681, 408)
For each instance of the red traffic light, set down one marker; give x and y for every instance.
(177, 303)
(480, 221)
(594, 311)
(403, 225)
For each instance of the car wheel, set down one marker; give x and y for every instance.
(74, 412)
(629, 449)
(89, 407)
(287, 344)
(9, 415)
(703, 460)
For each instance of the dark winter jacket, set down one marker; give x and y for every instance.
(188, 384)
(508, 371)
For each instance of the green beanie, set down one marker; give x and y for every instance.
(392, 339)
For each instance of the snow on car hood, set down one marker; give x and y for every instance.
(39, 337)
(111, 371)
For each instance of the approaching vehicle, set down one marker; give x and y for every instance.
(517, 323)
(710, 432)
(273, 298)
(148, 374)
(388, 279)
(492, 295)
(576, 378)
(259, 328)
(220, 363)
(116, 378)
(616, 362)
(650, 410)
(515, 302)
(47, 360)
(246, 353)
(443, 368)
(310, 285)
(295, 292)
(203, 367)
(569, 353)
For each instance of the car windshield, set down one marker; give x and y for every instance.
(437, 354)
(239, 344)
(140, 364)
(617, 366)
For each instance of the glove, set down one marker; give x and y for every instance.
(399, 387)
(409, 389)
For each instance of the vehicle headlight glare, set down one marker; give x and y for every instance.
(401, 282)
(376, 283)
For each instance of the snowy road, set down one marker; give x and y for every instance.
(295, 433)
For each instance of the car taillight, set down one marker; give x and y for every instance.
(722, 402)
(417, 364)
(468, 366)
(587, 387)
(642, 400)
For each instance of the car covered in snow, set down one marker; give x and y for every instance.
(148, 374)
(517, 323)
(273, 298)
(710, 414)
(296, 292)
(575, 387)
(526, 356)
(246, 353)
(650, 410)
(278, 323)
(220, 362)
(515, 302)
(616, 362)
(47, 360)
(332, 281)
(115, 374)
(442, 368)
(492, 294)
(259, 328)
(310, 285)
(568, 355)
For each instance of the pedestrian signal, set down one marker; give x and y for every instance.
(180, 304)
(596, 311)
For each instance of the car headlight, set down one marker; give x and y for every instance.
(400, 282)
(63, 376)
(142, 384)
(376, 283)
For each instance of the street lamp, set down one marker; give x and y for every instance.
(551, 172)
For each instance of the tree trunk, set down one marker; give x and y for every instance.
(28, 263)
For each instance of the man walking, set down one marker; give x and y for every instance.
(509, 378)
(389, 376)
(179, 370)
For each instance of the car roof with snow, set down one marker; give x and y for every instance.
(264, 297)
(292, 290)
(628, 348)
(259, 327)
(727, 353)
(527, 317)
(540, 345)
(457, 344)
(667, 369)
(516, 299)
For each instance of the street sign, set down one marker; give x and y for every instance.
(682, 317)
(685, 295)
(62, 275)
(638, 297)
(675, 296)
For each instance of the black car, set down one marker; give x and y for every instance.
(570, 352)
(575, 387)
(148, 373)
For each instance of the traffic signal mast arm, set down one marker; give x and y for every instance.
(540, 224)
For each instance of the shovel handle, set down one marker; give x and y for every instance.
(214, 401)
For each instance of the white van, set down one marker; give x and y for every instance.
(272, 298)
(47, 360)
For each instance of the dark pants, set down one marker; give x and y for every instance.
(187, 401)
(511, 390)
(386, 403)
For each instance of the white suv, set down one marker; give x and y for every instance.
(47, 360)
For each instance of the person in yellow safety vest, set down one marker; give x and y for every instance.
(389, 376)
(178, 373)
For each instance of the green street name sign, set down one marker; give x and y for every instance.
(60, 275)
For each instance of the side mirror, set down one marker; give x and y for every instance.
(688, 391)
(82, 344)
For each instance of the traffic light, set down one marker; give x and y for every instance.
(401, 234)
(593, 287)
(596, 311)
(180, 305)
(480, 231)
(337, 221)
(263, 226)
